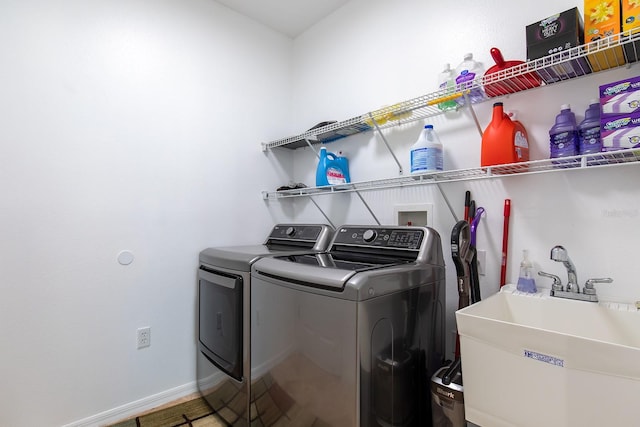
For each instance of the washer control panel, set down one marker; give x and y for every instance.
(382, 237)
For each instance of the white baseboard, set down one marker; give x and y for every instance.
(150, 402)
(211, 381)
(136, 407)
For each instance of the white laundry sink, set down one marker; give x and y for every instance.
(537, 360)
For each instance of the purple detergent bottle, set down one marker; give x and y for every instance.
(563, 135)
(589, 130)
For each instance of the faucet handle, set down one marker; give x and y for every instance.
(588, 285)
(557, 283)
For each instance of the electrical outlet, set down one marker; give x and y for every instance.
(482, 262)
(144, 337)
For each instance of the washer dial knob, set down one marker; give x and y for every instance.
(290, 231)
(369, 236)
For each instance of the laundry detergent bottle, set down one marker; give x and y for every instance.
(447, 86)
(466, 73)
(426, 154)
(504, 140)
(332, 169)
(343, 162)
(589, 130)
(563, 135)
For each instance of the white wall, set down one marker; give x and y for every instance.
(374, 53)
(124, 126)
(136, 125)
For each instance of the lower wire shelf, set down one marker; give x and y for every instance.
(585, 161)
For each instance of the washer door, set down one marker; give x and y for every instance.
(220, 320)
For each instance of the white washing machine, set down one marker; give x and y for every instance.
(224, 292)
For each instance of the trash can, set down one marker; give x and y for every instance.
(447, 400)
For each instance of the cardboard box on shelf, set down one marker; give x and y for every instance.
(601, 28)
(620, 98)
(554, 36)
(631, 24)
(620, 132)
(620, 114)
(630, 10)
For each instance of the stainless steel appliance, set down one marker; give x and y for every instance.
(223, 313)
(350, 336)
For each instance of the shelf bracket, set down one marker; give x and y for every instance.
(366, 205)
(446, 200)
(473, 112)
(308, 141)
(322, 212)
(583, 162)
(375, 123)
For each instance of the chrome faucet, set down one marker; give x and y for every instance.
(560, 254)
(571, 291)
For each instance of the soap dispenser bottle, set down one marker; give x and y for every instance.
(526, 282)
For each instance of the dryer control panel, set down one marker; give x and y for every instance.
(296, 232)
(315, 237)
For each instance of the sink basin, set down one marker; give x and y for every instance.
(537, 360)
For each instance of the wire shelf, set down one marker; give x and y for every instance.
(611, 158)
(610, 52)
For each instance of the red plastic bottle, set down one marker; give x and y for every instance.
(504, 140)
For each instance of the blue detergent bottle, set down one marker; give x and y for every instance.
(563, 135)
(344, 166)
(332, 169)
(589, 130)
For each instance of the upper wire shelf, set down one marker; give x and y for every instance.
(611, 158)
(610, 52)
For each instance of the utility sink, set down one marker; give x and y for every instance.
(537, 360)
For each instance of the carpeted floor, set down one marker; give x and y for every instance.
(193, 413)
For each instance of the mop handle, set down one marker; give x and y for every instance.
(505, 241)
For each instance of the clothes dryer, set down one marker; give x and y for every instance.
(224, 292)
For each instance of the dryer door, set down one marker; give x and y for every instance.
(220, 319)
